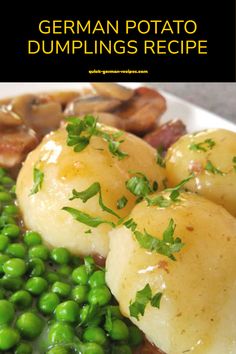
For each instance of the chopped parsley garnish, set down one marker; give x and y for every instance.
(38, 177)
(159, 157)
(142, 298)
(234, 161)
(160, 201)
(130, 224)
(140, 186)
(206, 145)
(167, 246)
(80, 132)
(212, 169)
(121, 203)
(164, 202)
(87, 219)
(90, 192)
(156, 300)
(174, 192)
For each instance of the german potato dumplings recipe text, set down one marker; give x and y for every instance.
(174, 45)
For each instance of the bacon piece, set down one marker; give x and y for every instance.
(166, 135)
(142, 111)
(14, 146)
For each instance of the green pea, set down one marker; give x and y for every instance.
(6, 220)
(36, 267)
(30, 325)
(95, 334)
(64, 270)
(80, 275)
(21, 299)
(12, 283)
(17, 250)
(4, 242)
(5, 197)
(135, 336)
(60, 333)
(9, 337)
(3, 259)
(90, 316)
(11, 231)
(39, 251)
(7, 312)
(121, 349)
(62, 289)
(80, 293)
(115, 311)
(51, 277)
(97, 279)
(60, 255)
(36, 285)
(67, 311)
(7, 181)
(100, 295)
(2, 172)
(59, 350)
(2, 294)
(119, 330)
(24, 348)
(89, 264)
(48, 302)
(92, 348)
(32, 238)
(11, 210)
(14, 267)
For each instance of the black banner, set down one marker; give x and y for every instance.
(189, 43)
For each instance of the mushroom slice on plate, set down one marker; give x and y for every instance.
(113, 90)
(40, 115)
(90, 104)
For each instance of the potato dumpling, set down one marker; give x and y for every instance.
(211, 155)
(65, 170)
(198, 305)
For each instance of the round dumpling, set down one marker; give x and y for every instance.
(196, 293)
(63, 170)
(211, 155)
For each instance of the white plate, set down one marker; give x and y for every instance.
(194, 117)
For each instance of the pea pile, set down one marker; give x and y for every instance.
(51, 301)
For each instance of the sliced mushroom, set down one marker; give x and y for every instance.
(14, 146)
(166, 135)
(142, 111)
(91, 104)
(62, 97)
(112, 90)
(110, 119)
(9, 118)
(41, 115)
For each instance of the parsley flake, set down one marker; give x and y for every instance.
(80, 132)
(90, 192)
(212, 169)
(142, 298)
(167, 246)
(139, 185)
(234, 161)
(206, 145)
(130, 224)
(87, 219)
(121, 203)
(38, 177)
(159, 157)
